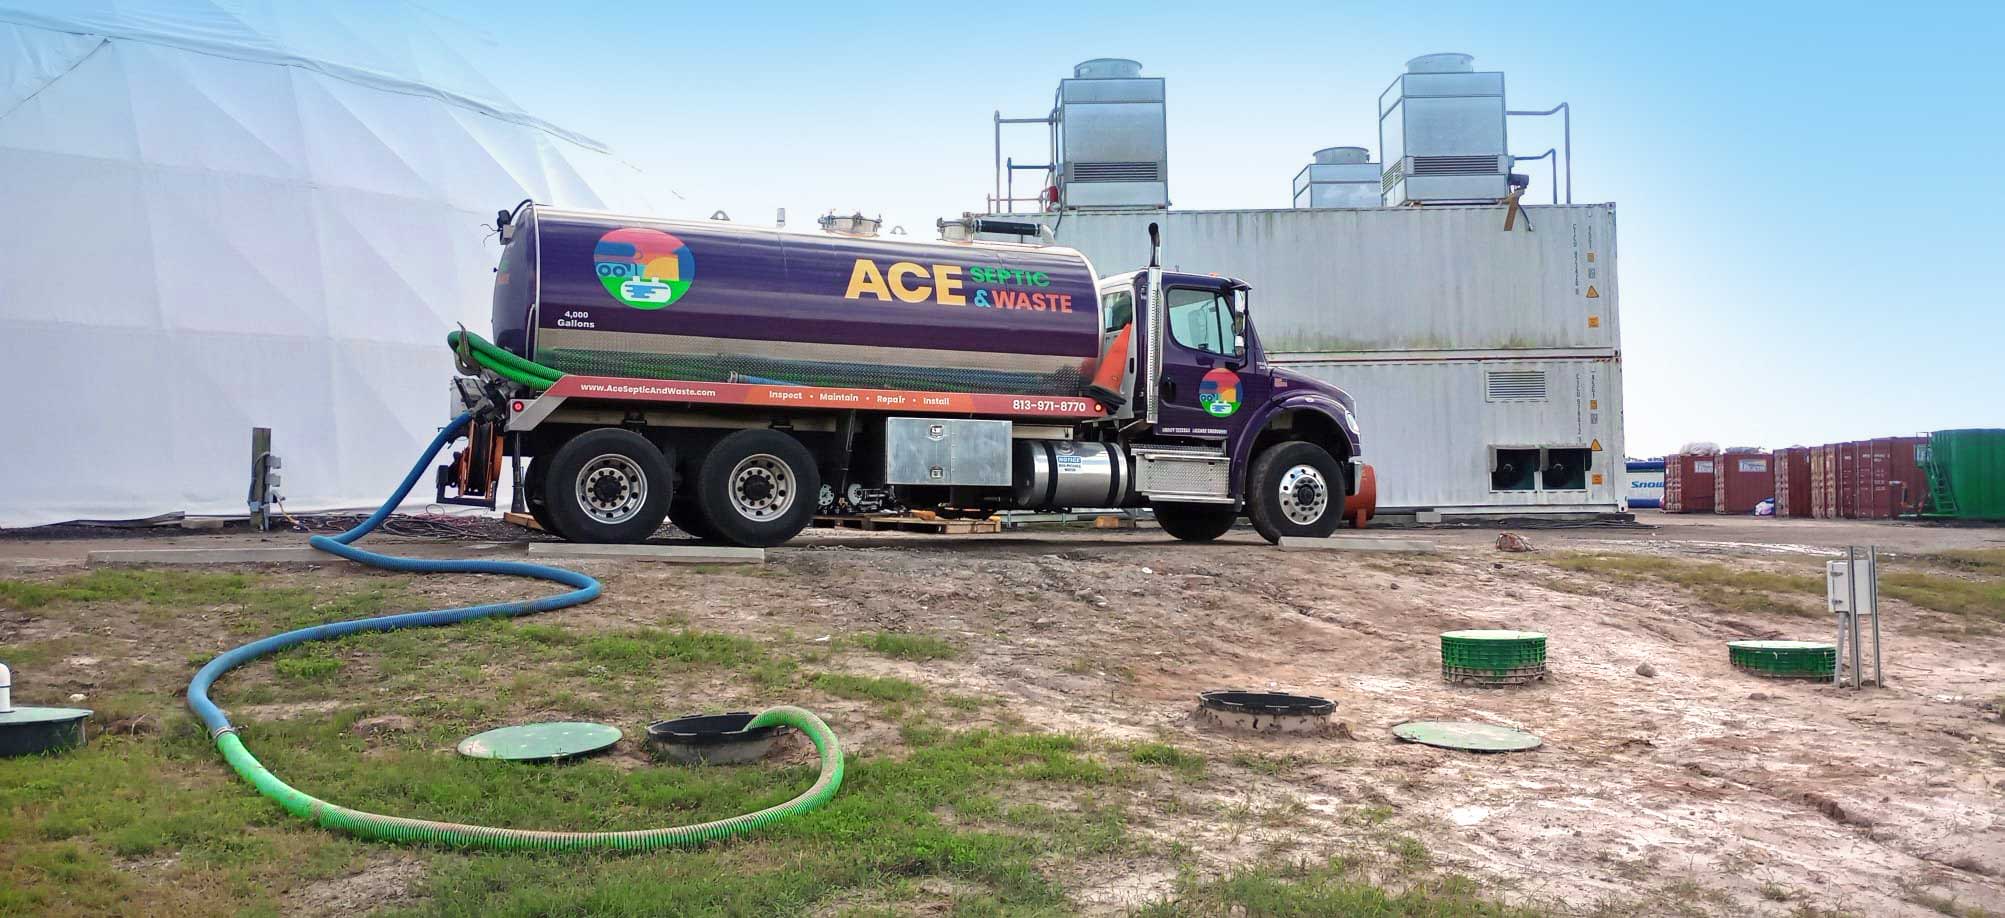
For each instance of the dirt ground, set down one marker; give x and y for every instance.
(1722, 791)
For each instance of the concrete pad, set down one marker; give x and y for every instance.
(295, 555)
(1427, 517)
(1356, 543)
(679, 554)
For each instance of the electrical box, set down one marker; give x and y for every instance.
(946, 451)
(1839, 590)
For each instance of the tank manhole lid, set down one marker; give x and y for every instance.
(1473, 737)
(544, 742)
(1494, 634)
(1265, 702)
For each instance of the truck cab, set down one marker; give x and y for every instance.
(785, 376)
(1216, 395)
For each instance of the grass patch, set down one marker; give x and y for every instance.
(1724, 587)
(308, 669)
(645, 648)
(869, 688)
(255, 604)
(1972, 589)
(1164, 755)
(150, 587)
(917, 647)
(1980, 602)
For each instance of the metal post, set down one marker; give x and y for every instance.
(1852, 605)
(261, 446)
(999, 169)
(1873, 556)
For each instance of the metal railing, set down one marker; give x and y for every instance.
(1565, 111)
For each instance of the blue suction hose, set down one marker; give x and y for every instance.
(372, 825)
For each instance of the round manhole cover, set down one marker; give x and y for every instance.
(546, 742)
(1473, 737)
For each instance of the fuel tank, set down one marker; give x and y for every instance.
(607, 295)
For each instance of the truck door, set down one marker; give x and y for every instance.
(1203, 354)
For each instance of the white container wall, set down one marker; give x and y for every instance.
(1408, 278)
(1437, 431)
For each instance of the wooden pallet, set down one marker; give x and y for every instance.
(909, 523)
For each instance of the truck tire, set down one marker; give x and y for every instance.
(533, 494)
(609, 486)
(757, 487)
(1295, 489)
(689, 518)
(1195, 522)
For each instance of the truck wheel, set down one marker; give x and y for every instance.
(533, 494)
(757, 487)
(607, 485)
(1295, 489)
(1195, 522)
(689, 518)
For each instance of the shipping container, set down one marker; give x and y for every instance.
(1398, 278)
(1646, 484)
(1817, 479)
(1849, 463)
(1792, 481)
(1741, 480)
(1487, 434)
(1910, 480)
(1967, 472)
(1477, 355)
(1688, 482)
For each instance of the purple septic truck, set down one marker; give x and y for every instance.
(739, 380)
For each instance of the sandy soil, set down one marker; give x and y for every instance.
(1767, 795)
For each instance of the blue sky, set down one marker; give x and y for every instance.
(1809, 197)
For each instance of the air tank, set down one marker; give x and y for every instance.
(614, 296)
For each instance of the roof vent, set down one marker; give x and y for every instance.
(1447, 62)
(1107, 68)
(1342, 156)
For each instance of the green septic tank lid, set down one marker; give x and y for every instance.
(1473, 737)
(1491, 634)
(28, 730)
(545, 742)
(1782, 645)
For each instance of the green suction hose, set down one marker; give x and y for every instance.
(505, 364)
(399, 828)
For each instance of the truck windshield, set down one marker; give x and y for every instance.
(1201, 320)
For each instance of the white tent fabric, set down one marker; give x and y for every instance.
(215, 216)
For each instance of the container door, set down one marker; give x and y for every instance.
(1201, 388)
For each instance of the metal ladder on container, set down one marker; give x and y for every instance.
(1941, 498)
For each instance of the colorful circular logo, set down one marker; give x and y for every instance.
(1218, 393)
(644, 268)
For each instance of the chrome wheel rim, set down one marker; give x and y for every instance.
(611, 489)
(1305, 495)
(763, 487)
